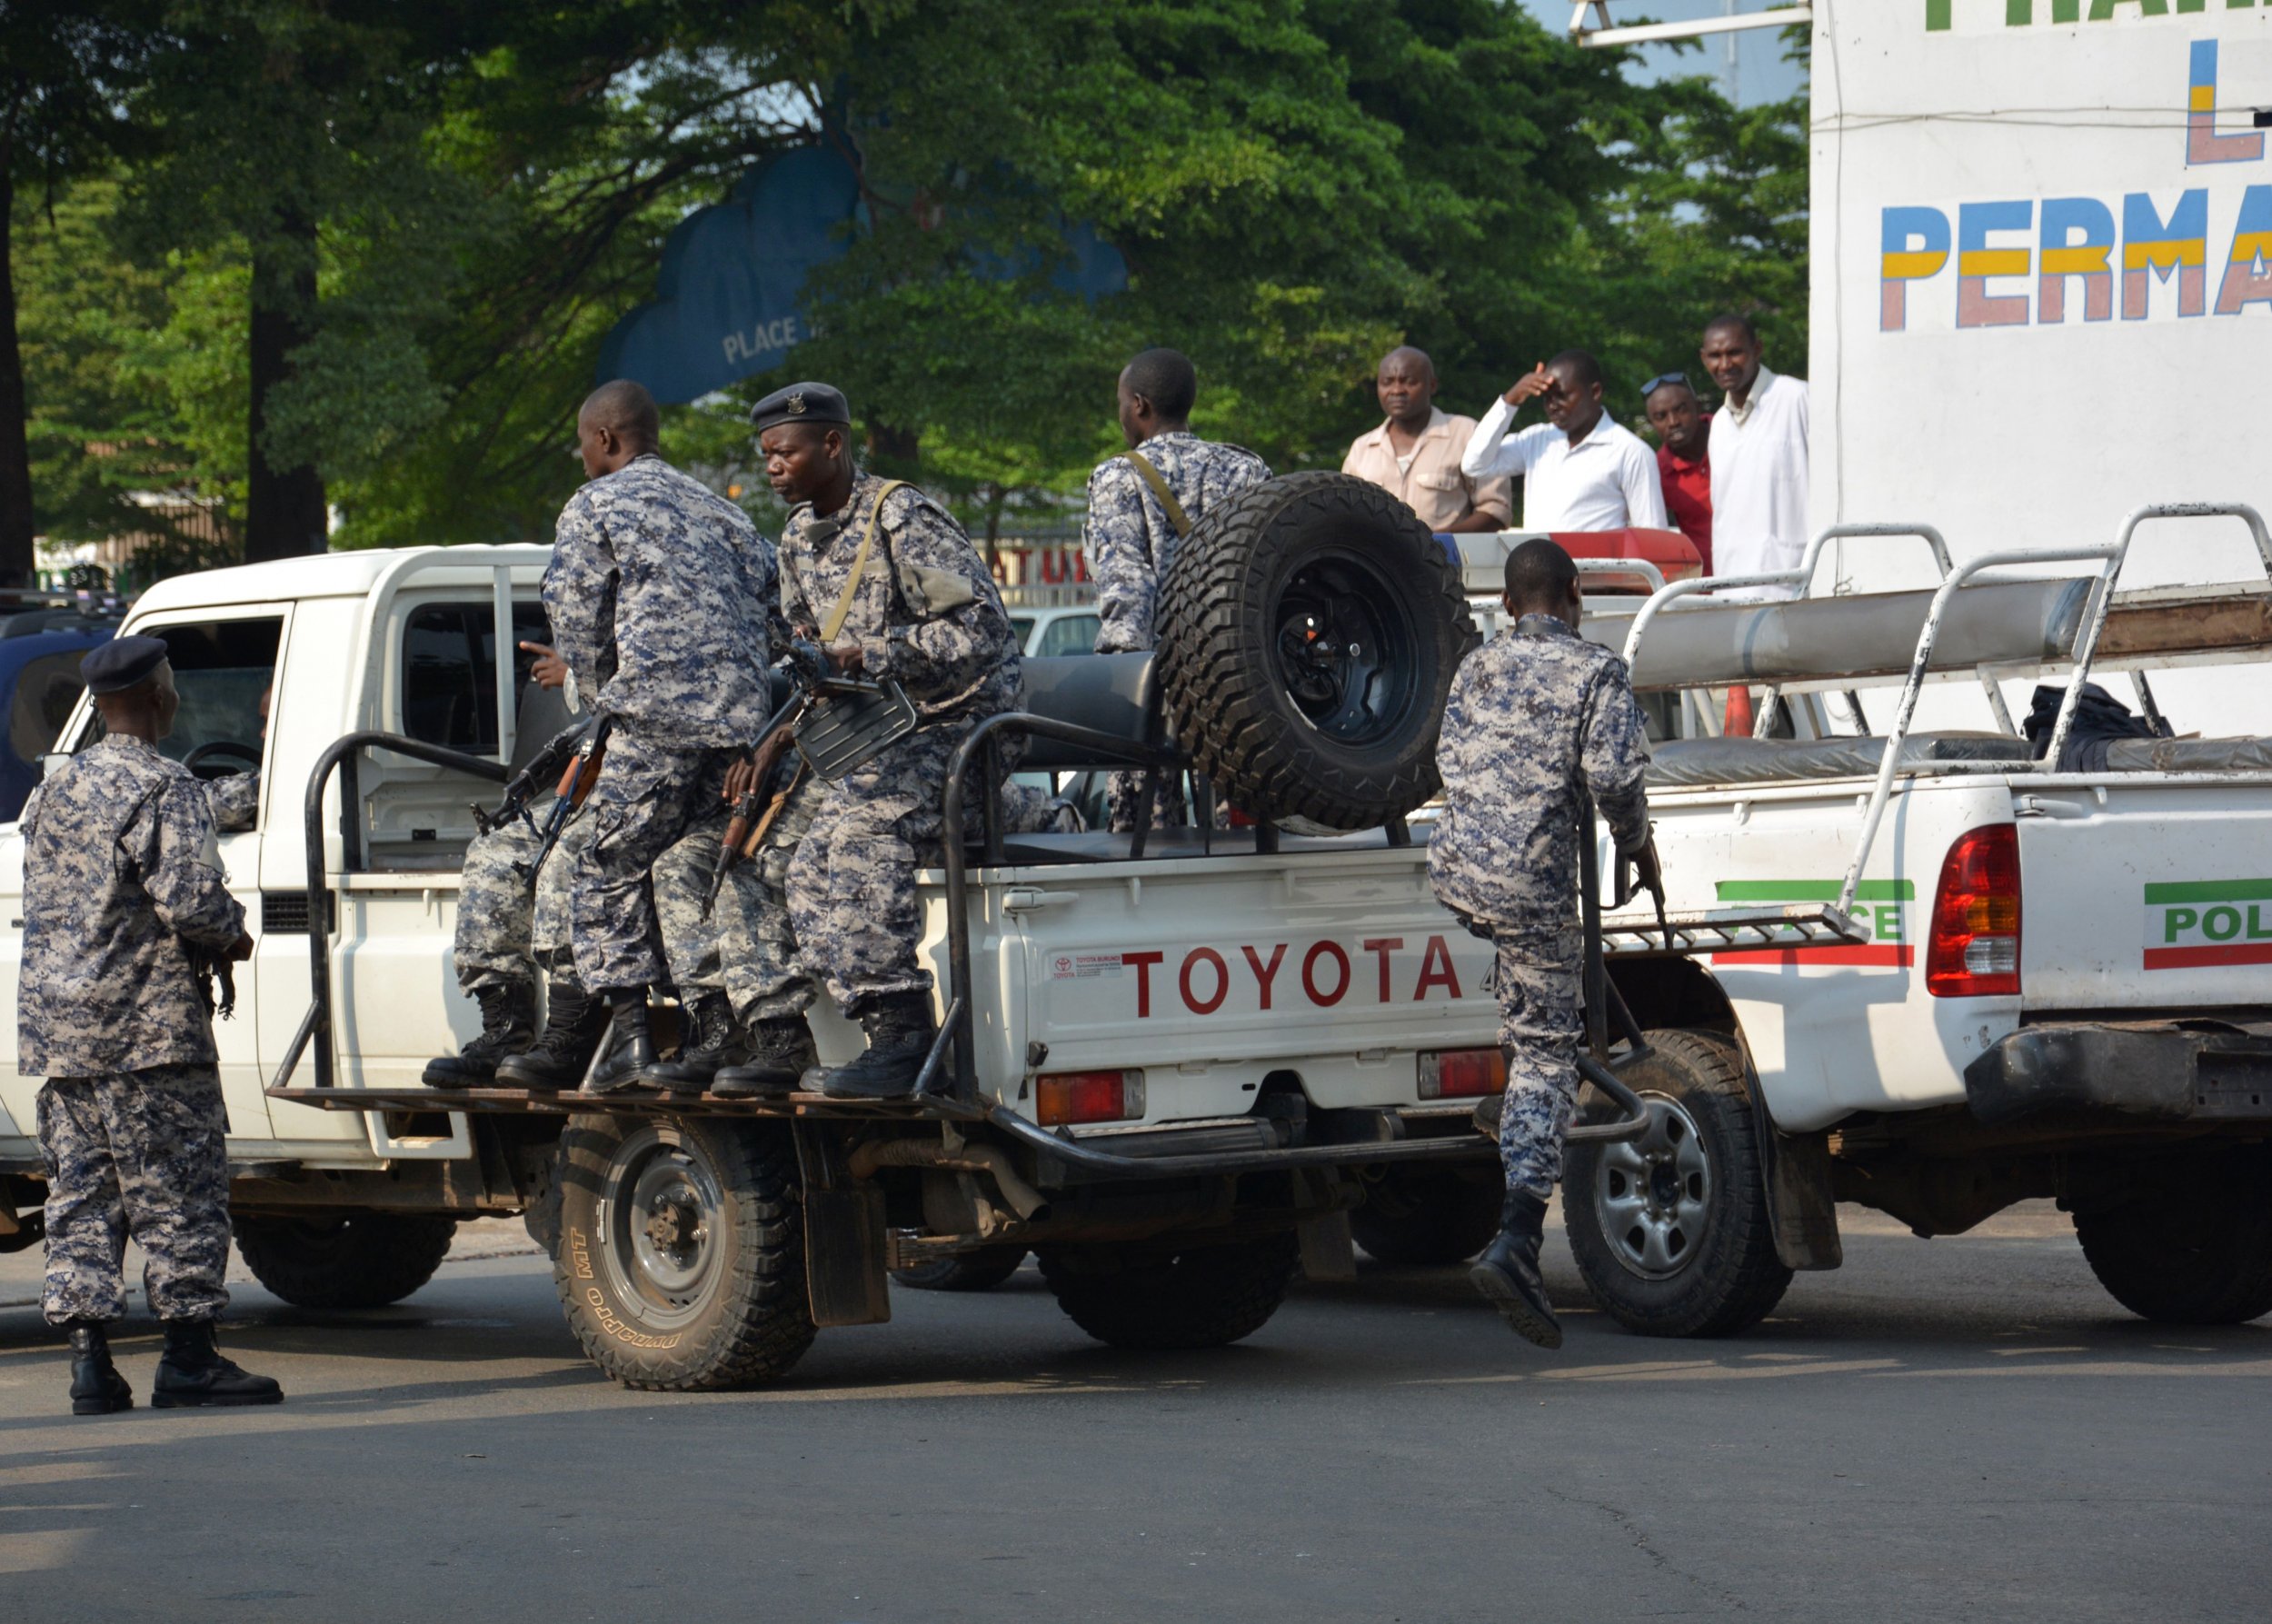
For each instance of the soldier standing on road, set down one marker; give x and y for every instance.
(124, 904)
(923, 611)
(653, 602)
(1536, 717)
(1140, 504)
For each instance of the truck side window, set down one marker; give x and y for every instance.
(223, 670)
(450, 671)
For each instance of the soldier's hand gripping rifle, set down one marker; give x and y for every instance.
(1648, 875)
(541, 768)
(576, 779)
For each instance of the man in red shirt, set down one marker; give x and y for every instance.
(1684, 437)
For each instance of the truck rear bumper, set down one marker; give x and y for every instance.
(2134, 1072)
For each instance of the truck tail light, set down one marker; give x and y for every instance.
(1461, 1074)
(1065, 1098)
(1974, 950)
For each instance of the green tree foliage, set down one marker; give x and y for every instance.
(450, 204)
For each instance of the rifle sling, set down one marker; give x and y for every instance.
(835, 621)
(1176, 516)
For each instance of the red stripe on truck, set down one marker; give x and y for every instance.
(1890, 954)
(2198, 957)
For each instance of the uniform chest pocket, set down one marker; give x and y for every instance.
(931, 593)
(1444, 480)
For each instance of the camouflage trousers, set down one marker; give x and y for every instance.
(746, 947)
(646, 798)
(1124, 794)
(1538, 984)
(502, 918)
(139, 1153)
(851, 883)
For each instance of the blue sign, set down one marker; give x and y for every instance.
(730, 301)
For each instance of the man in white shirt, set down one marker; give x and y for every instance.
(1580, 470)
(1758, 457)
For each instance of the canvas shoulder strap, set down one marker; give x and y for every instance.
(1176, 517)
(835, 621)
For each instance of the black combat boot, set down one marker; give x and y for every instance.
(899, 1038)
(630, 1046)
(713, 1038)
(508, 1023)
(572, 1031)
(780, 1051)
(1507, 1272)
(96, 1387)
(192, 1374)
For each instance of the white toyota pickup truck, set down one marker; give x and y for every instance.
(1174, 1065)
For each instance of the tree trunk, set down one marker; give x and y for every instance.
(284, 507)
(15, 450)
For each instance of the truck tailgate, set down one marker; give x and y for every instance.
(2153, 894)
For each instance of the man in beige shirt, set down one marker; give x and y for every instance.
(1415, 453)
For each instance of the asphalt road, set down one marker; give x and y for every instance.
(1960, 1428)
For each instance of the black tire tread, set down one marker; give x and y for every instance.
(1739, 1279)
(1203, 1297)
(757, 1164)
(1220, 702)
(1447, 1219)
(369, 1260)
(2148, 1252)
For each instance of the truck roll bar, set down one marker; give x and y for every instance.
(341, 757)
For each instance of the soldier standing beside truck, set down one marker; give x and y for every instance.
(897, 592)
(1537, 717)
(126, 908)
(654, 600)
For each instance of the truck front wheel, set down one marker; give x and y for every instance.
(1185, 1297)
(1418, 1217)
(2191, 1247)
(681, 1264)
(364, 1261)
(1670, 1230)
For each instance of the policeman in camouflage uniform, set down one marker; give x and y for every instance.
(1536, 717)
(923, 611)
(653, 596)
(124, 908)
(512, 925)
(1133, 526)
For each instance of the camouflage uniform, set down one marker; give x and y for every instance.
(505, 919)
(1130, 542)
(121, 884)
(235, 801)
(745, 948)
(1534, 715)
(658, 593)
(928, 615)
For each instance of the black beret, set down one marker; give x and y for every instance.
(122, 662)
(802, 402)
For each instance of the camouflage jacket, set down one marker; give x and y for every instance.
(1128, 538)
(927, 612)
(1535, 715)
(234, 799)
(660, 594)
(121, 881)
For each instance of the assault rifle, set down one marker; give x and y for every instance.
(581, 772)
(836, 722)
(541, 768)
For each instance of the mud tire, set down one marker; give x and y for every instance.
(1161, 1299)
(363, 1261)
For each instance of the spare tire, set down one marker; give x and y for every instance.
(1309, 629)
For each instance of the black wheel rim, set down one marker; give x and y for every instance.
(1347, 650)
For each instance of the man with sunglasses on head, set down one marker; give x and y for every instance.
(1580, 469)
(1684, 463)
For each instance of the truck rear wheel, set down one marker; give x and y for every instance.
(969, 1272)
(364, 1261)
(681, 1265)
(1415, 1217)
(2193, 1247)
(1309, 630)
(1188, 1297)
(1671, 1230)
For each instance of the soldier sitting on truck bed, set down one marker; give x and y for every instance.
(1140, 504)
(1536, 717)
(901, 594)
